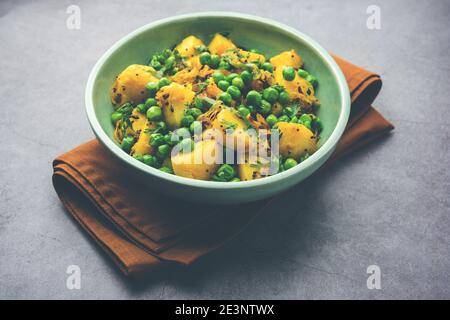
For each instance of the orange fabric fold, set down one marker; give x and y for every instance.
(142, 231)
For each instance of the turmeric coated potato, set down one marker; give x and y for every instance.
(252, 171)
(174, 99)
(296, 140)
(298, 88)
(130, 85)
(219, 44)
(187, 47)
(286, 59)
(199, 164)
(142, 145)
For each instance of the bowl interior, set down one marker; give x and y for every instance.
(248, 33)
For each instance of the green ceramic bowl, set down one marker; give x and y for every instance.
(252, 32)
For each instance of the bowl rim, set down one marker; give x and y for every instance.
(323, 151)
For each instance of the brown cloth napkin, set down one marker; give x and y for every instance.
(142, 230)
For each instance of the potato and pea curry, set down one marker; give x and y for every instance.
(184, 94)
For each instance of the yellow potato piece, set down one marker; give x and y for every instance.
(199, 164)
(185, 76)
(194, 62)
(142, 145)
(186, 47)
(296, 140)
(298, 89)
(212, 90)
(251, 171)
(138, 120)
(242, 56)
(247, 56)
(219, 44)
(228, 120)
(286, 59)
(174, 99)
(130, 85)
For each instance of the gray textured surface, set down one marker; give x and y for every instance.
(387, 204)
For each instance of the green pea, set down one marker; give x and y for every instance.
(166, 53)
(200, 48)
(307, 124)
(265, 107)
(271, 94)
(196, 127)
(251, 108)
(205, 58)
(317, 125)
(152, 88)
(223, 85)
(226, 98)
(267, 66)
(290, 163)
(250, 66)
(139, 157)
(150, 102)
(182, 133)
(198, 102)
(231, 76)
(155, 64)
(238, 82)
(163, 82)
(313, 80)
(163, 151)
(187, 145)
(244, 111)
(187, 120)
(280, 89)
(247, 77)
(283, 118)
(271, 120)
(288, 73)
(162, 127)
(156, 139)
(303, 73)
(254, 50)
(283, 98)
(214, 61)
(294, 119)
(224, 65)
(141, 108)
(254, 98)
(305, 117)
(150, 160)
(166, 169)
(224, 173)
(127, 144)
(195, 112)
(154, 113)
(168, 139)
(234, 92)
(218, 76)
(170, 62)
(116, 116)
